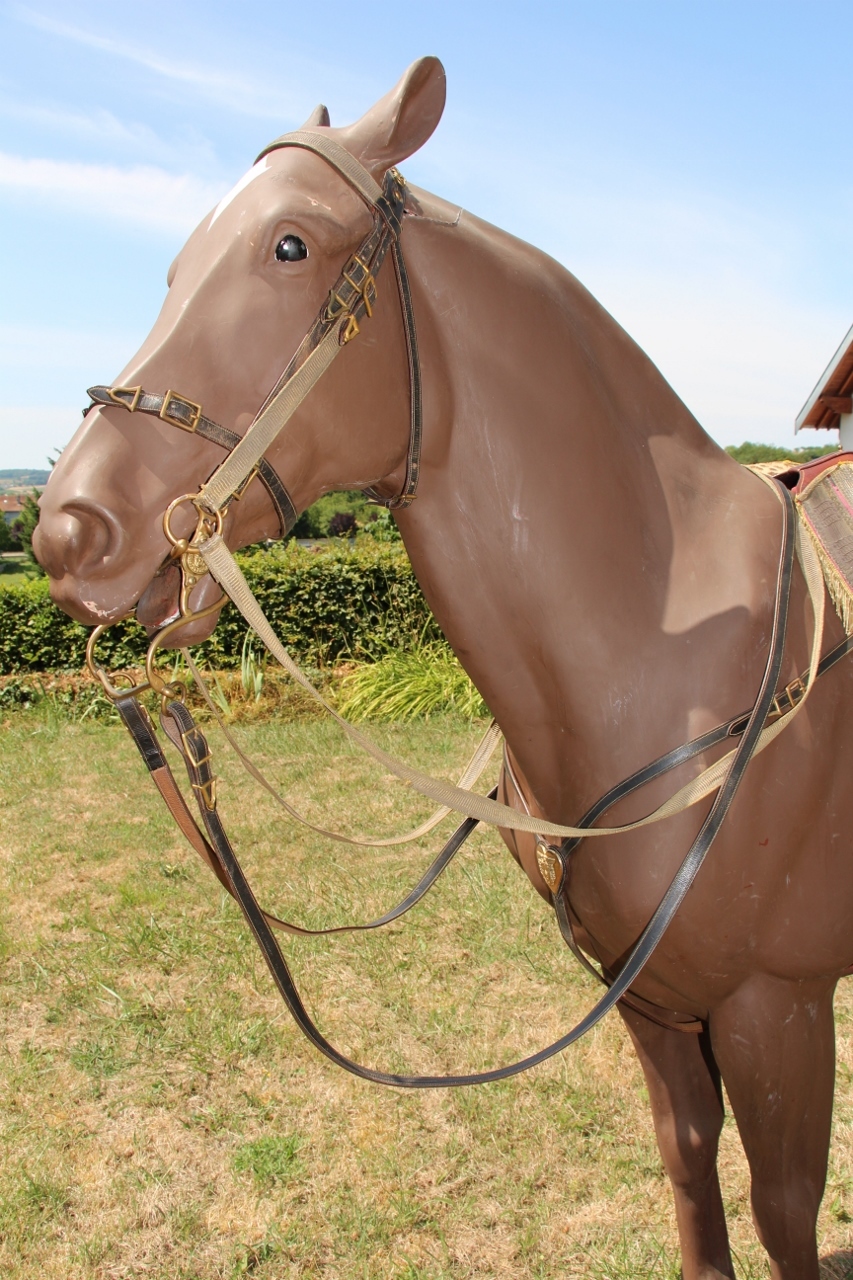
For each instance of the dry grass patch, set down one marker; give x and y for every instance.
(162, 1117)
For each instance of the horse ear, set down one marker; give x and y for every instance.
(319, 118)
(402, 121)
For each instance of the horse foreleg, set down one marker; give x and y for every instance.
(684, 1090)
(775, 1044)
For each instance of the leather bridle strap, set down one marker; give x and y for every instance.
(351, 298)
(338, 322)
(138, 724)
(192, 744)
(177, 411)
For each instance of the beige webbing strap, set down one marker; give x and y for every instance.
(336, 154)
(482, 755)
(244, 457)
(227, 572)
(261, 434)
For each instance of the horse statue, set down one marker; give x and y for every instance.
(604, 572)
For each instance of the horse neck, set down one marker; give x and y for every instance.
(576, 532)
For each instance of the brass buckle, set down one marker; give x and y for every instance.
(196, 762)
(207, 790)
(342, 307)
(117, 394)
(794, 692)
(364, 289)
(365, 286)
(241, 489)
(350, 331)
(172, 397)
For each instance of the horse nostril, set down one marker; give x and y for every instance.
(76, 539)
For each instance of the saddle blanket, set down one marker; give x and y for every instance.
(823, 493)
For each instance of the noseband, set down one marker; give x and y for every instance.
(351, 300)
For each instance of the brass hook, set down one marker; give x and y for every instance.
(100, 674)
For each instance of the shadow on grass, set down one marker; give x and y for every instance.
(837, 1266)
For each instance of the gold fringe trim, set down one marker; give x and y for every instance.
(773, 468)
(840, 592)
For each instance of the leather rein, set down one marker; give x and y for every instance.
(351, 300)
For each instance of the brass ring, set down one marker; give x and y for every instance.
(204, 516)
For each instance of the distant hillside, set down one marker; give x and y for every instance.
(15, 481)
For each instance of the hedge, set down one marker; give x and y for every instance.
(325, 604)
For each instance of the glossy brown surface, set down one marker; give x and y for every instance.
(604, 572)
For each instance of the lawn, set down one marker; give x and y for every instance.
(163, 1117)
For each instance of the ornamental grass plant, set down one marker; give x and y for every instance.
(409, 684)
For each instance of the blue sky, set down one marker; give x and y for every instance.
(689, 162)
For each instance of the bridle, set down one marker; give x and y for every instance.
(351, 300)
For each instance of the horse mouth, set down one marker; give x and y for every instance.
(160, 602)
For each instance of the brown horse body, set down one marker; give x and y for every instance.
(603, 571)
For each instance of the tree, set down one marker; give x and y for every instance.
(749, 452)
(24, 527)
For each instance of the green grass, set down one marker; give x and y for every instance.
(409, 685)
(271, 1159)
(162, 1116)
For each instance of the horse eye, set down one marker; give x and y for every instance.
(291, 249)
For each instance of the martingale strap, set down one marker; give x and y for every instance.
(228, 574)
(190, 741)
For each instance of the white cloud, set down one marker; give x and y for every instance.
(103, 127)
(288, 99)
(143, 194)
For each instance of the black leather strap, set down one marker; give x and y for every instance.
(190, 741)
(353, 296)
(180, 413)
(138, 724)
(406, 495)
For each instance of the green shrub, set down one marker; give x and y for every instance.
(408, 685)
(315, 521)
(24, 527)
(341, 601)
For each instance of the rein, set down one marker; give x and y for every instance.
(351, 300)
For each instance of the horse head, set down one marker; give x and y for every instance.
(242, 294)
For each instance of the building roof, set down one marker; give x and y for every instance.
(11, 503)
(833, 394)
